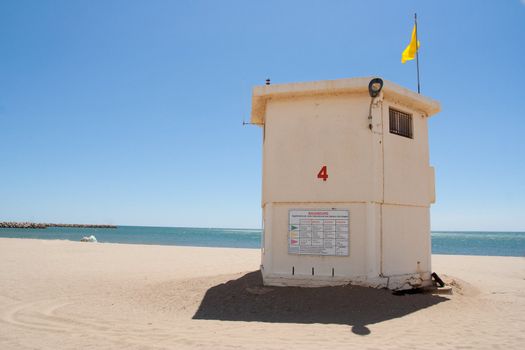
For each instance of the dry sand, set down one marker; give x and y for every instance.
(68, 295)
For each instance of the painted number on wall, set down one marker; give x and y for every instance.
(323, 174)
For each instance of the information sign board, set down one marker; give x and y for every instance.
(319, 232)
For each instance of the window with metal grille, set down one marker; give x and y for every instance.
(400, 123)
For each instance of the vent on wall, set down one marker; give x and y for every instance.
(400, 123)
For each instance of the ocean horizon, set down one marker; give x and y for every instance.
(485, 243)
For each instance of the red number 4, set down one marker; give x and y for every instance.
(323, 174)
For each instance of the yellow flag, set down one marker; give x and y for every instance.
(410, 51)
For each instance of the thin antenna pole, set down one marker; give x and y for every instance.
(417, 55)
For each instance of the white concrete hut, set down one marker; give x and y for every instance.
(347, 185)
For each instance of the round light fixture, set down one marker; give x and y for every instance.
(375, 86)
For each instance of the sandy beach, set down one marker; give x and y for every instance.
(68, 295)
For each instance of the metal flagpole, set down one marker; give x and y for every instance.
(417, 54)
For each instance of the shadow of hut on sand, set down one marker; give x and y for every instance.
(246, 299)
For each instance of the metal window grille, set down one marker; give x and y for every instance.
(400, 123)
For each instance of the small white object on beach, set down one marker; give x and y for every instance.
(89, 239)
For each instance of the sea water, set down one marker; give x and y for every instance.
(460, 242)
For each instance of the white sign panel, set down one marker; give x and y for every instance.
(319, 232)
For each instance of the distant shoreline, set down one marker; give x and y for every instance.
(34, 225)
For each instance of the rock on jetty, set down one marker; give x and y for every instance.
(42, 225)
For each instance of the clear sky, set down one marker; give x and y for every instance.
(130, 112)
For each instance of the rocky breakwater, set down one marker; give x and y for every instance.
(33, 225)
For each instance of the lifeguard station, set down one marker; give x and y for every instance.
(346, 185)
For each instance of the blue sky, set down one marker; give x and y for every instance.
(129, 112)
